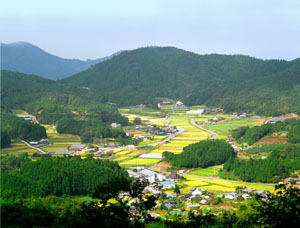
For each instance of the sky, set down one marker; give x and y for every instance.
(89, 29)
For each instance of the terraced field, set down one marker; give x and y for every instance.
(224, 127)
(17, 148)
(58, 141)
(210, 171)
(218, 185)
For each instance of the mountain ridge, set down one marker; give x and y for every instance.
(138, 76)
(27, 58)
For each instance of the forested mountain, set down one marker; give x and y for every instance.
(52, 104)
(233, 82)
(28, 58)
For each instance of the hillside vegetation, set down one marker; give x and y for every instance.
(233, 82)
(202, 154)
(52, 104)
(13, 127)
(65, 175)
(279, 164)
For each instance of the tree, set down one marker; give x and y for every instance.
(137, 121)
(281, 209)
(176, 189)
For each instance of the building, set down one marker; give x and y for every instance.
(133, 174)
(180, 105)
(112, 145)
(196, 192)
(99, 154)
(174, 175)
(168, 184)
(231, 195)
(151, 156)
(151, 176)
(60, 152)
(196, 112)
(77, 147)
(114, 125)
(279, 119)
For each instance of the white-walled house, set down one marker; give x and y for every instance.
(151, 176)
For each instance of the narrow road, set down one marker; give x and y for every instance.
(217, 178)
(166, 119)
(38, 149)
(213, 134)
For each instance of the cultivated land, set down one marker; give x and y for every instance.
(203, 178)
(129, 157)
(59, 141)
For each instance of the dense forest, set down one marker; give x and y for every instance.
(279, 164)
(62, 176)
(202, 154)
(232, 82)
(281, 209)
(253, 134)
(13, 127)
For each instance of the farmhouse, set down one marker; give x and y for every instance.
(115, 125)
(168, 184)
(197, 112)
(174, 175)
(196, 192)
(231, 195)
(77, 147)
(151, 176)
(280, 119)
(133, 174)
(60, 152)
(180, 105)
(153, 156)
(99, 154)
(141, 126)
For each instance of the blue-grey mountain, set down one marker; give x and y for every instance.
(27, 58)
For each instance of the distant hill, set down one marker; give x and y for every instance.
(233, 82)
(26, 58)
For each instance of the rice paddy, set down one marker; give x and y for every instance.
(210, 171)
(59, 141)
(218, 185)
(17, 148)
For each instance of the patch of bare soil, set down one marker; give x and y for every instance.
(162, 167)
(272, 140)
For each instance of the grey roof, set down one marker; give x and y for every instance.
(147, 172)
(159, 156)
(132, 173)
(61, 152)
(77, 146)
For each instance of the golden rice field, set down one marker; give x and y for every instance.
(219, 185)
(17, 148)
(59, 141)
(140, 161)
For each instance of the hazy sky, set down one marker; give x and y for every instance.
(94, 28)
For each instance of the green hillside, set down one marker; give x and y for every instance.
(233, 82)
(52, 104)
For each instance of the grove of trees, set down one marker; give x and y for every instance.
(202, 154)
